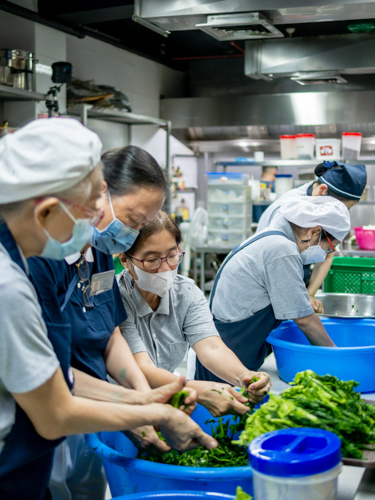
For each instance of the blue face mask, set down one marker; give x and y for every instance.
(81, 234)
(115, 238)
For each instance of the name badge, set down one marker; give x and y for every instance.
(102, 282)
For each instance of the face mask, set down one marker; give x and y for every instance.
(158, 283)
(81, 234)
(313, 254)
(115, 238)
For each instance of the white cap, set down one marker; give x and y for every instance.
(324, 211)
(45, 157)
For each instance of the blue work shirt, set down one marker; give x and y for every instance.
(91, 327)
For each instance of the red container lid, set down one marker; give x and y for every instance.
(287, 136)
(352, 133)
(305, 135)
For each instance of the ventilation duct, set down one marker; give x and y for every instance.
(252, 26)
(318, 78)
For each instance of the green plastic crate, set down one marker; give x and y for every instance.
(351, 275)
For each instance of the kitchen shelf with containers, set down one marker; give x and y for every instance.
(229, 209)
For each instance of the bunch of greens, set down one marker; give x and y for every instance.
(241, 495)
(324, 402)
(227, 454)
(178, 399)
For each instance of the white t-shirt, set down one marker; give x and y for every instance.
(27, 358)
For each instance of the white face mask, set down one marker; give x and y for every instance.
(313, 254)
(158, 283)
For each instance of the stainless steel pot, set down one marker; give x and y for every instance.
(17, 69)
(347, 305)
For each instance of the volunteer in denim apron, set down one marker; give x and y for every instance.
(25, 456)
(341, 181)
(261, 283)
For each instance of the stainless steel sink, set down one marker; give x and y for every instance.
(347, 305)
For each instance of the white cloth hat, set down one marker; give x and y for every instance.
(45, 157)
(324, 211)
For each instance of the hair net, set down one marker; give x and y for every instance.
(45, 157)
(324, 211)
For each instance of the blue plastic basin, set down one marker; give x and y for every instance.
(352, 359)
(127, 475)
(176, 495)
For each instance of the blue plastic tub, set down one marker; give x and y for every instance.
(176, 495)
(353, 359)
(127, 475)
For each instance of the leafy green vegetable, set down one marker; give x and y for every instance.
(241, 495)
(324, 402)
(226, 454)
(178, 399)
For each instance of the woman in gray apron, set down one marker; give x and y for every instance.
(261, 282)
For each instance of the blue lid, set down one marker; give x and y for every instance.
(295, 452)
(283, 175)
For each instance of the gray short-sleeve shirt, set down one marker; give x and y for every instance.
(182, 319)
(269, 271)
(273, 210)
(27, 358)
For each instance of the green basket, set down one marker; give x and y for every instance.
(351, 275)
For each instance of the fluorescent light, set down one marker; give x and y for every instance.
(43, 69)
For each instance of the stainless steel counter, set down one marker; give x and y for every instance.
(355, 483)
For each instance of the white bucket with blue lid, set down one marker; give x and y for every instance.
(300, 463)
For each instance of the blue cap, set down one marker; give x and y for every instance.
(346, 180)
(295, 452)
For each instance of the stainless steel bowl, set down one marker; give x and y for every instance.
(347, 305)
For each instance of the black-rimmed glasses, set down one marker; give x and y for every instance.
(83, 270)
(172, 259)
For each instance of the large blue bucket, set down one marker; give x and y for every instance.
(353, 359)
(127, 475)
(176, 495)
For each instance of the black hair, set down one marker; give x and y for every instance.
(129, 168)
(319, 171)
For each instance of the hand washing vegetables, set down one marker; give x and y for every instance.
(226, 454)
(241, 495)
(324, 402)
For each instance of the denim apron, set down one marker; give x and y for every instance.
(246, 338)
(26, 459)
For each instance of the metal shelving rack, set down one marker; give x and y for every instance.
(11, 94)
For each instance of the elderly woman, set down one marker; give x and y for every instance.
(50, 181)
(167, 313)
(260, 284)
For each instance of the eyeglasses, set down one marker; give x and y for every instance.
(84, 276)
(95, 215)
(155, 262)
(330, 244)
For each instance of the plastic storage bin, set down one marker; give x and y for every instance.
(351, 275)
(176, 495)
(220, 178)
(228, 193)
(352, 359)
(328, 149)
(296, 464)
(127, 474)
(229, 223)
(351, 145)
(229, 208)
(288, 147)
(223, 238)
(305, 146)
(365, 238)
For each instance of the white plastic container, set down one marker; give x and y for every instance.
(295, 464)
(351, 145)
(283, 184)
(317, 487)
(288, 147)
(305, 146)
(328, 149)
(255, 189)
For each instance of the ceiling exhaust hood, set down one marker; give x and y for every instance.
(250, 26)
(318, 78)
